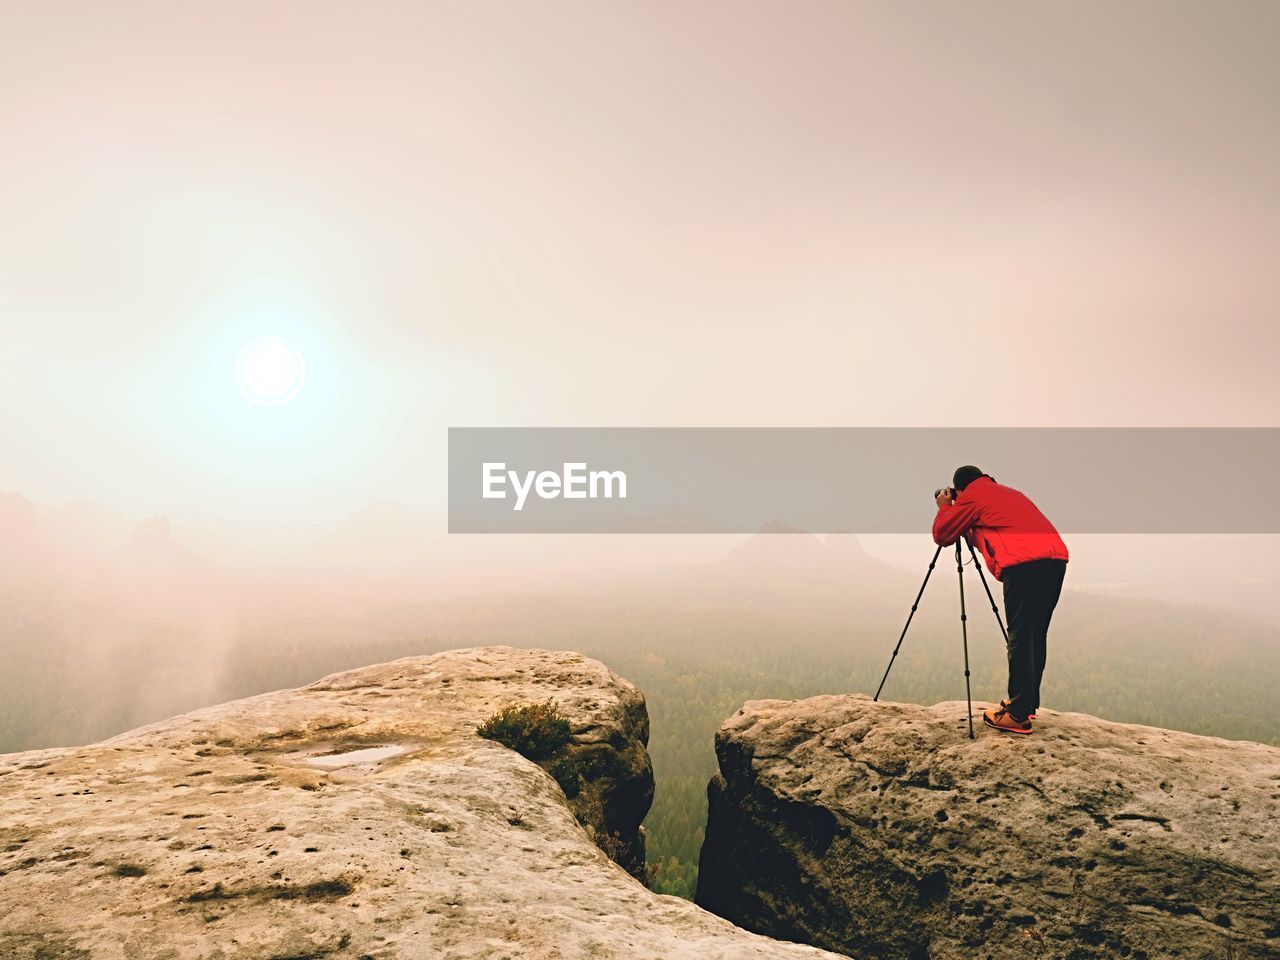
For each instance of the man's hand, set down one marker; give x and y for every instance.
(945, 497)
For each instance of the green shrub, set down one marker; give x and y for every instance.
(568, 773)
(533, 730)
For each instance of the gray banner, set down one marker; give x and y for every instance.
(863, 480)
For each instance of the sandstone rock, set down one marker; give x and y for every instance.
(360, 816)
(881, 830)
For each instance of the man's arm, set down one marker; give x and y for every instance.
(953, 520)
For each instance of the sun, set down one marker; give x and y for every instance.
(270, 371)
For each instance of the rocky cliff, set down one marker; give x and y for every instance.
(360, 816)
(881, 830)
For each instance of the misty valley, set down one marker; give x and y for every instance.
(98, 638)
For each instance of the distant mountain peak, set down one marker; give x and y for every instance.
(154, 530)
(777, 526)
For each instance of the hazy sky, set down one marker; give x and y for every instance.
(614, 214)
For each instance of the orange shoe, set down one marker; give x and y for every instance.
(1001, 719)
(1005, 704)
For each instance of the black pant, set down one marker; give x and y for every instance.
(1031, 592)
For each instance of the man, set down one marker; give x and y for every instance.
(1024, 552)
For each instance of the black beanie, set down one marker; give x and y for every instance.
(965, 476)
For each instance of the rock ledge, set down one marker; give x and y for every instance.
(882, 830)
(360, 816)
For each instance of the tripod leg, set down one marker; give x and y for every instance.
(964, 633)
(914, 604)
(977, 565)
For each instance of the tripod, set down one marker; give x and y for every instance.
(964, 625)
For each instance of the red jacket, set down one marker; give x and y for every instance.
(1001, 523)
